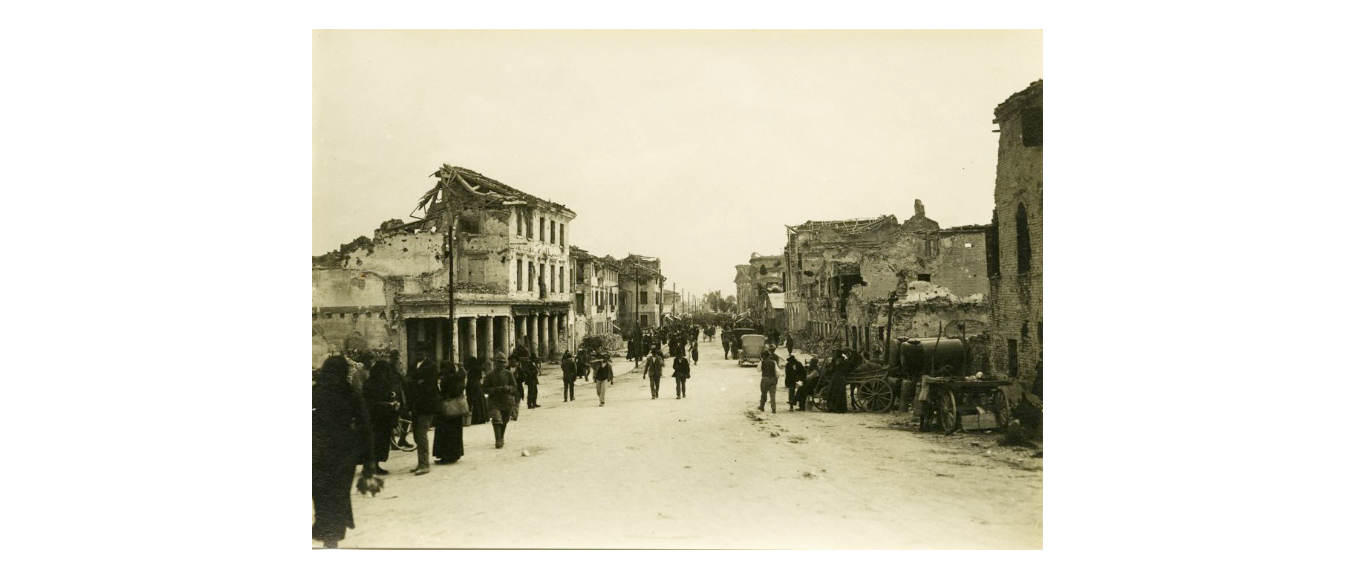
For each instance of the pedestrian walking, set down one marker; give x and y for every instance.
(770, 374)
(474, 393)
(527, 374)
(653, 369)
(582, 365)
(725, 338)
(340, 438)
(794, 372)
(449, 440)
(790, 344)
(424, 404)
(695, 353)
(681, 371)
(566, 365)
(499, 385)
(381, 396)
(602, 377)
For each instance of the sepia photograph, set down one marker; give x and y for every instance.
(677, 289)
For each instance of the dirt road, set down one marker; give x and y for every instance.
(708, 471)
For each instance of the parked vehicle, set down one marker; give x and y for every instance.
(752, 347)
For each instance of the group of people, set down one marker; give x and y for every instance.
(356, 407)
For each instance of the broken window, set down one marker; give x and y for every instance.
(519, 225)
(924, 277)
(1022, 240)
(542, 228)
(531, 275)
(561, 235)
(552, 231)
(643, 297)
(1032, 127)
(527, 220)
(763, 270)
(993, 254)
(1012, 358)
(469, 225)
(519, 274)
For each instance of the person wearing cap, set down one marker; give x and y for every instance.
(770, 373)
(500, 386)
(681, 370)
(425, 404)
(602, 377)
(653, 369)
(794, 373)
(567, 366)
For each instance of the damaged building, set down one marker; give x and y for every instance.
(510, 267)
(841, 274)
(596, 294)
(767, 290)
(1017, 251)
(742, 280)
(641, 295)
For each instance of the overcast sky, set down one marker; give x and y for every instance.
(696, 147)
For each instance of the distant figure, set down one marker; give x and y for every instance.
(790, 344)
(794, 373)
(695, 352)
(725, 339)
(527, 374)
(653, 369)
(499, 385)
(479, 411)
(681, 371)
(566, 365)
(769, 379)
(602, 377)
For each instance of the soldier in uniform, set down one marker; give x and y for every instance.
(500, 386)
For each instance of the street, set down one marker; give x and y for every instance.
(708, 471)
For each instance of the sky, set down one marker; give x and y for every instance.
(697, 147)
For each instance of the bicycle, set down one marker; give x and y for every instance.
(402, 427)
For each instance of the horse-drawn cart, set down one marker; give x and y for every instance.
(956, 403)
(870, 391)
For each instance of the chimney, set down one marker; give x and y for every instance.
(919, 208)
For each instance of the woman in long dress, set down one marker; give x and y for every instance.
(448, 441)
(340, 439)
(381, 395)
(479, 409)
(836, 394)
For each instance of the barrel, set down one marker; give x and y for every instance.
(923, 356)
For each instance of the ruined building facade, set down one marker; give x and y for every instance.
(1017, 256)
(640, 289)
(511, 267)
(766, 299)
(596, 294)
(840, 276)
(742, 280)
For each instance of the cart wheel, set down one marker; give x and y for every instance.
(1003, 410)
(948, 410)
(819, 399)
(401, 426)
(874, 396)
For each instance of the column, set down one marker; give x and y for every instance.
(552, 333)
(490, 333)
(472, 338)
(438, 342)
(532, 334)
(541, 335)
(453, 340)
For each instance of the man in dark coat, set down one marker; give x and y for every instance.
(381, 395)
(725, 338)
(500, 386)
(602, 377)
(789, 344)
(653, 369)
(425, 404)
(566, 365)
(528, 375)
(681, 371)
(794, 373)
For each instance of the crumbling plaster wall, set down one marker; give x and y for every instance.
(961, 265)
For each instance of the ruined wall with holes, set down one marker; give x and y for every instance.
(960, 262)
(349, 311)
(1017, 297)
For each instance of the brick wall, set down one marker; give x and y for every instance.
(1017, 297)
